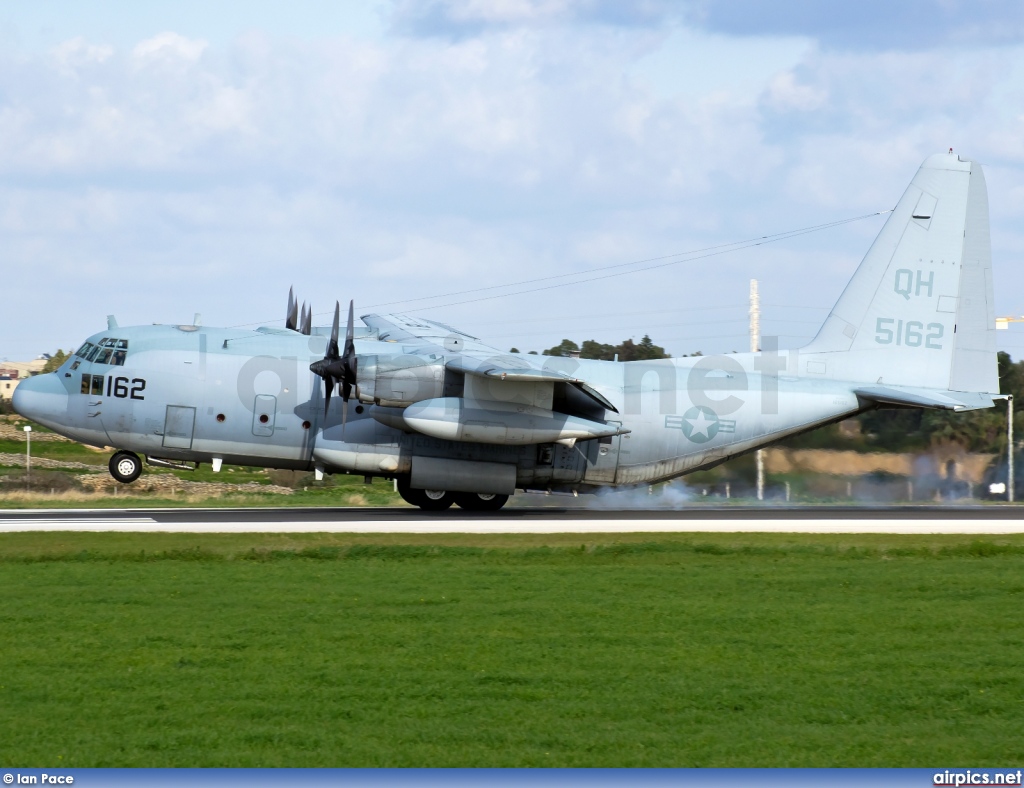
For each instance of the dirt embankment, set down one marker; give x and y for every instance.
(969, 467)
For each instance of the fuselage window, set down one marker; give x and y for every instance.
(92, 384)
(75, 365)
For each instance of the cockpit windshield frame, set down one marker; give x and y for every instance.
(109, 350)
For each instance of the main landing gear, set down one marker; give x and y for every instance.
(125, 466)
(439, 500)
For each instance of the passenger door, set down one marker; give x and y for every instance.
(179, 424)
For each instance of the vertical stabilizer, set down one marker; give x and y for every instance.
(919, 310)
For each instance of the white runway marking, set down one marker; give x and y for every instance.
(528, 526)
(78, 524)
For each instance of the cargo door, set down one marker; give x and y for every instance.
(179, 423)
(603, 457)
(264, 414)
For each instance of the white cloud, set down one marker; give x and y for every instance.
(784, 93)
(152, 180)
(169, 46)
(78, 52)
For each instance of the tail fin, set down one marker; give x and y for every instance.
(919, 310)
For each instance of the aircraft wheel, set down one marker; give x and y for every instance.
(125, 466)
(480, 502)
(429, 500)
(436, 500)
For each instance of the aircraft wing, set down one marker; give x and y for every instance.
(429, 335)
(468, 355)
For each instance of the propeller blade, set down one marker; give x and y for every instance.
(332, 346)
(289, 321)
(350, 345)
(307, 324)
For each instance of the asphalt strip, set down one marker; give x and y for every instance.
(553, 525)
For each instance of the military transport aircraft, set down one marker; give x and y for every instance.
(455, 421)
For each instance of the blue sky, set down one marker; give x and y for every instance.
(161, 159)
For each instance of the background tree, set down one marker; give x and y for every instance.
(565, 348)
(628, 350)
(55, 361)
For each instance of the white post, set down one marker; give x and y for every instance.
(28, 456)
(755, 317)
(787, 492)
(755, 346)
(1009, 448)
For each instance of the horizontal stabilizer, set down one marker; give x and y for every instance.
(926, 398)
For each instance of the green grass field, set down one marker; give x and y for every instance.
(331, 650)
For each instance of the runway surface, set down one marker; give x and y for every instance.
(732, 519)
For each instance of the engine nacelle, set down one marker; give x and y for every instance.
(505, 423)
(398, 381)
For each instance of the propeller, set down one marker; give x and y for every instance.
(296, 319)
(337, 367)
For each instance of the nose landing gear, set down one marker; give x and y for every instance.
(125, 466)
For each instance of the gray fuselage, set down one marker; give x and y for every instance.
(247, 397)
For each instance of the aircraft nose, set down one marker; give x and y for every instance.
(42, 399)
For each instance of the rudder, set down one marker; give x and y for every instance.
(919, 309)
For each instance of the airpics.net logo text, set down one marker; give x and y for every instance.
(968, 777)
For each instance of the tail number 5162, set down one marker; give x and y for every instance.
(912, 333)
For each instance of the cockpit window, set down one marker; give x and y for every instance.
(75, 365)
(83, 351)
(109, 351)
